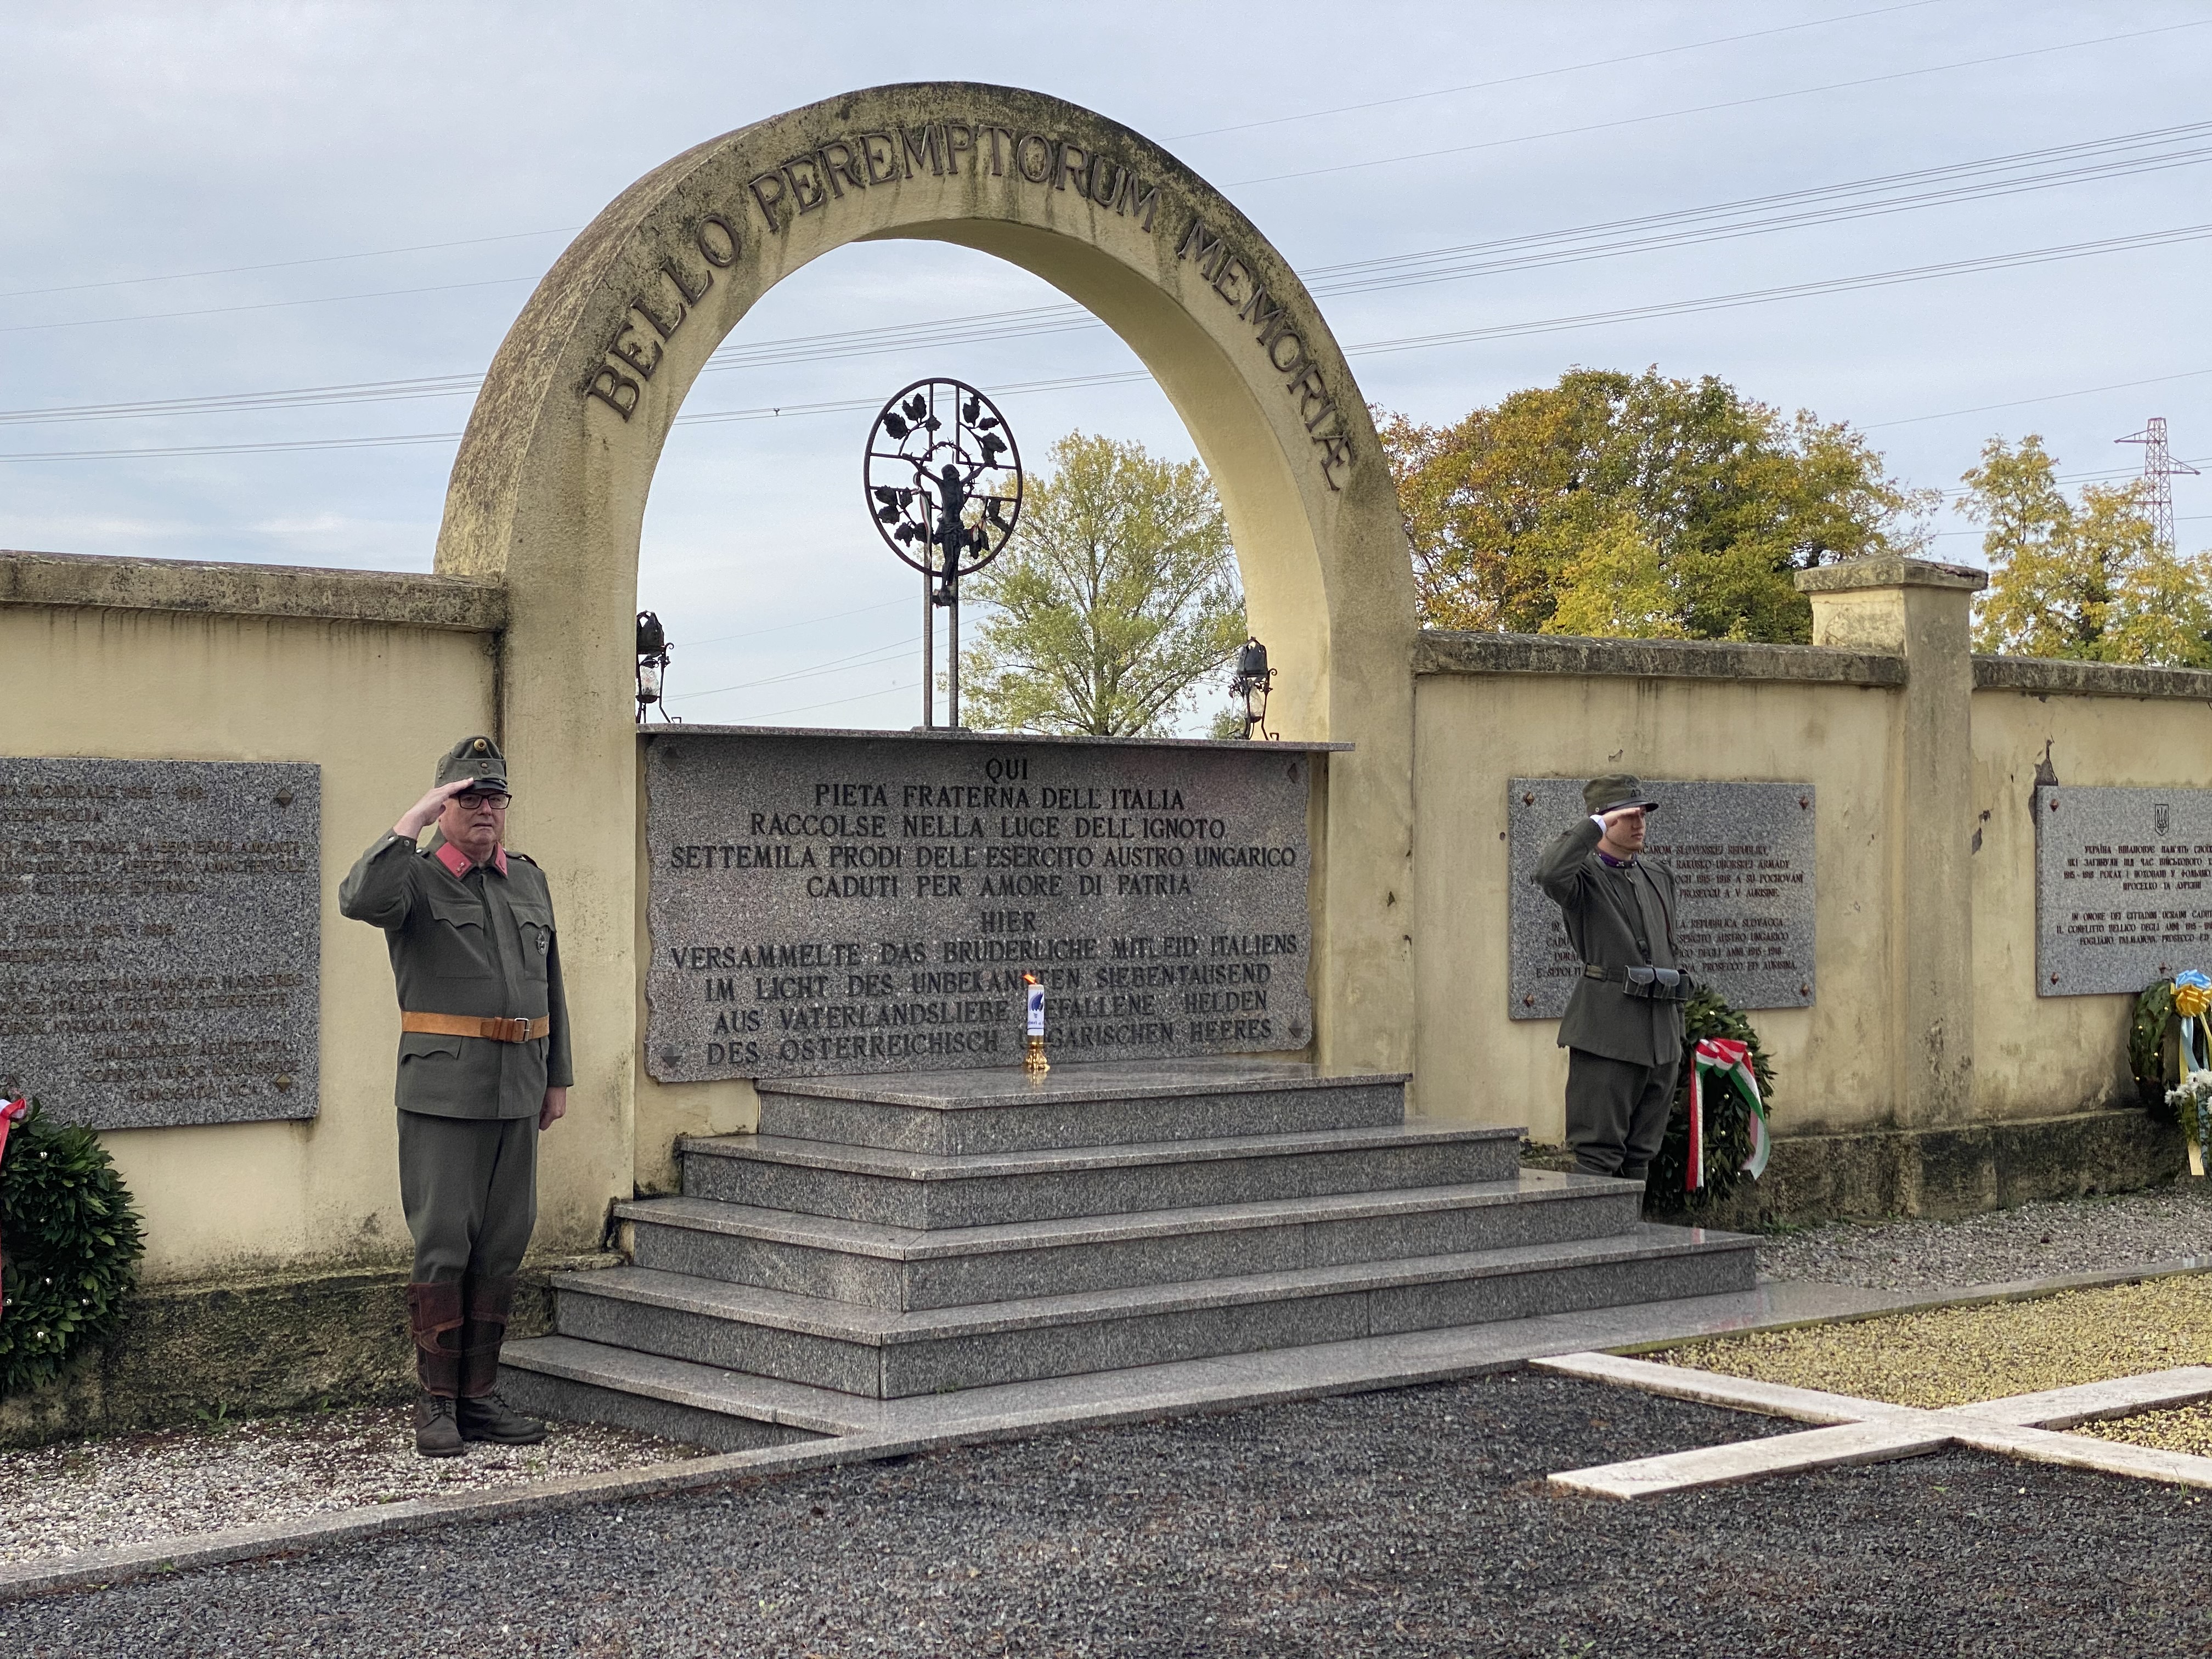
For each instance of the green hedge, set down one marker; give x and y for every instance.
(73, 1242)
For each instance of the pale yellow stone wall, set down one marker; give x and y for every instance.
(1474, 732)
(2038, 1056)
(371, 703)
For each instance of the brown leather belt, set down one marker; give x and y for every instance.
(498, 1030)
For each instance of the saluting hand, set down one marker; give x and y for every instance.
(425, 813)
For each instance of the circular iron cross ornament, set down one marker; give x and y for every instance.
(944, 479)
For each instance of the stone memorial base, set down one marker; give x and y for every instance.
(884, 1239)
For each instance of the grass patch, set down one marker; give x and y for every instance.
(1957, 1355)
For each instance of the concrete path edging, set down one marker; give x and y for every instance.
(1407, 1361)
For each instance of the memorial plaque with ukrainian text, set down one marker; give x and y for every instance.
(160, 940)
(1742, 859)
(827, 902)
(2120, 895)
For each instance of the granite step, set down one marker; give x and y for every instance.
(935, 1190)
(877, 1354)
(903, 1269)
(1003, 1111)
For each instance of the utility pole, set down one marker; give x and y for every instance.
(2160, 469)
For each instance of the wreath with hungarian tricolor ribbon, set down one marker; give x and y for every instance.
(1717, 1132)
(69, 1244)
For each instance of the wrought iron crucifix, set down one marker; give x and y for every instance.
(944, 484)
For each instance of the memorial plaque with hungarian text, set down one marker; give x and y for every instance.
(828, 902)
(1742, 859)
(2120, 893)
(160, 928)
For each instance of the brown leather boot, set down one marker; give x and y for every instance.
(433, 1312)
(483, 1414)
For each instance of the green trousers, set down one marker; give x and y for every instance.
(469, 1189)
(1616, 1113)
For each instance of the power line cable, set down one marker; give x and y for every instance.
(780, 628)
(288, 264)
(1502, 331)
(876, 655)
(2048, 398)
(1707, 109)
(1542, 75)
(263, 305)
(1031, 320)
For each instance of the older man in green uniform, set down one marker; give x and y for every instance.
(483, 1067)
(1623, 1028)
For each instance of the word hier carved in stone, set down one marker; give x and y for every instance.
(1742, 859)
(840, 902)
(2120, 893)
(160, 939)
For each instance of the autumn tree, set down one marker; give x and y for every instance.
(1638, 506)
(1118, 596)
(2088, 580)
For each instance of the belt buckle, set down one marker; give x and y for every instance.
(513, 1030)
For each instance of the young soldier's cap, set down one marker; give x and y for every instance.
(1614, 791)
(475, 758)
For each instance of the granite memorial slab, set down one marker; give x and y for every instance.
(160, 929)
(825, 903)
(2120, 895)
(1742, 859)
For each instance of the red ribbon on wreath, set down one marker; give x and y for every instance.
(11, 1113)
(1731, 1060)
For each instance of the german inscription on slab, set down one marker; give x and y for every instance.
(2120, 894)
(832, 903)
(160, 939)
(1742, 859)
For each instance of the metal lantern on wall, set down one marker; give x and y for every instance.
(652, 667)
(1252, 682)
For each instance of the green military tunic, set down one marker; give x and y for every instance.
(467, 939)
(1616, 917)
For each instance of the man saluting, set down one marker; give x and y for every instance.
(1623, 1028)
(483, 1067)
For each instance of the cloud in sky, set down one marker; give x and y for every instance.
(274, 144)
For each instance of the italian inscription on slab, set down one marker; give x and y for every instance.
(160, 939)
(825, 903)
(1742, 859)
(2120, 894)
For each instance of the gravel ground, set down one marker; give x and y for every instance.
(2081, 1235)
(135, 1488)
(1409, 1523)
(1955, 1356)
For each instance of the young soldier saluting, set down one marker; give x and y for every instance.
(1623, 1028)
(483, 1067)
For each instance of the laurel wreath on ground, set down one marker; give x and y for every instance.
(2147, 1049)
(1727, 1117)
(72, 1238)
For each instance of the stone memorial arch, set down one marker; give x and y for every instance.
(548, 491)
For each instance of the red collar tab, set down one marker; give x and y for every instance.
(459, 864)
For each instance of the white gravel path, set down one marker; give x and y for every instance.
(135, 1488)
(2072, 1236)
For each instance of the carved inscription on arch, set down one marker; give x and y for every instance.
(815, 178)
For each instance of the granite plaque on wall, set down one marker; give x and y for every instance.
(827, 902)
(1742, 859)
(2120, 894)
(161, 925)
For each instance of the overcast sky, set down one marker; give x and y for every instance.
(399, 176)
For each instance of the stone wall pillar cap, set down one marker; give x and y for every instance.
(1890, 570)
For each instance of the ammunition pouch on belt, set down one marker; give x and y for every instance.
(1648, 984)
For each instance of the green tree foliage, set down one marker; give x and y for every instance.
(2088, 580)
(1117, 595)
(1638, 506)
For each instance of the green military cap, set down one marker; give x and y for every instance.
(474, 757)
(1614, 791)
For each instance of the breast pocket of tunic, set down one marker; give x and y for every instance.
(533, 930)
(457, 946)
